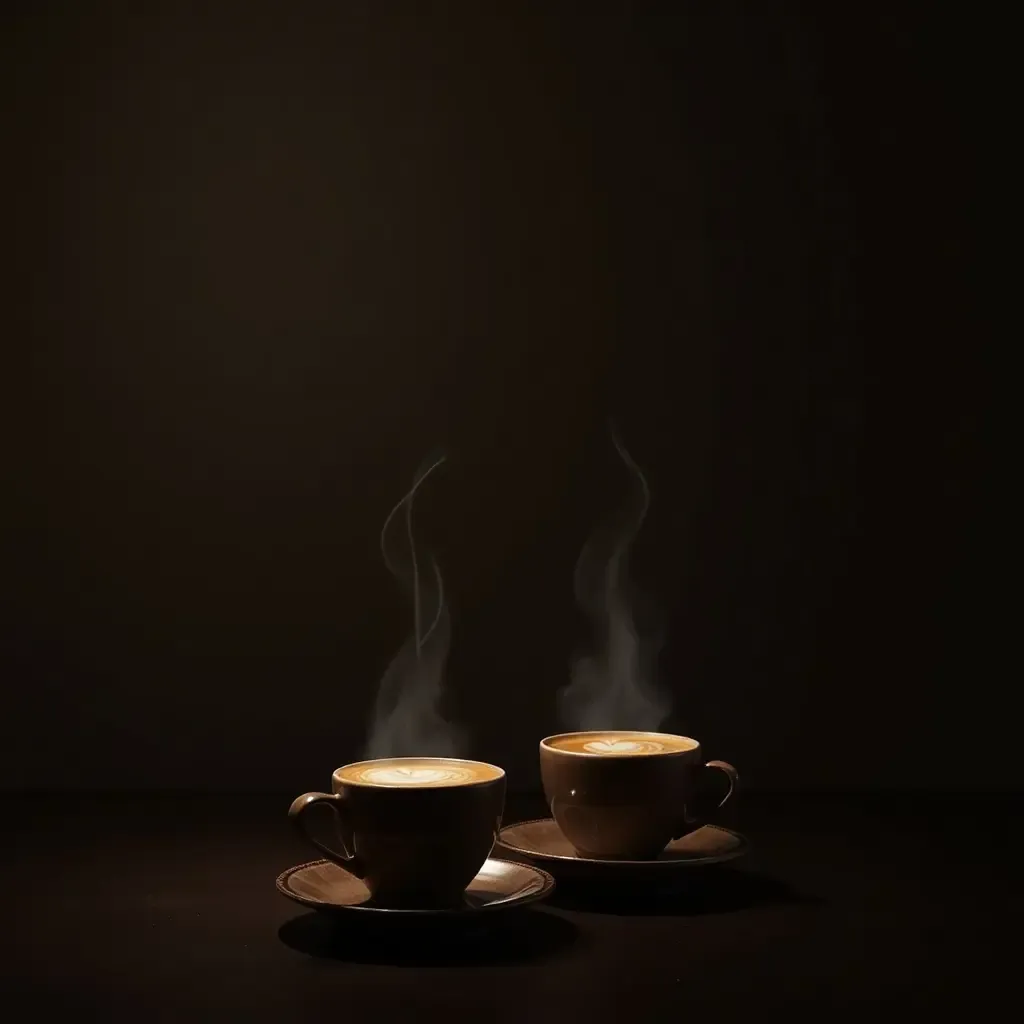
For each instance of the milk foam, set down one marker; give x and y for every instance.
(397, 776)
(619, 743)
(625, 747)
(418, 772)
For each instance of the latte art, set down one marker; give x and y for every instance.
(417, 772)
(624, 747)
(415, 776)
(615, 743)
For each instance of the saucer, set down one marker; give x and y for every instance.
(541, 840)
(499, 885)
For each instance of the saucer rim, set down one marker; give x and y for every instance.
(660, 865)
(506, 903)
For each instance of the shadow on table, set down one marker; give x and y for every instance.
(521, 936)
(709, 890)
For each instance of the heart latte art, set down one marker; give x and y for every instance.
(415, 776)
(624, 747)
(417, 772)
(620, 744)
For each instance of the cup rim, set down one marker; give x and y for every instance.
(336, 774)
(546, 743)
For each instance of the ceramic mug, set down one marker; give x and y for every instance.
(625, 795)
(416, 830)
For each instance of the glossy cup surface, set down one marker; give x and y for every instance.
(618, 803)
(416, 830)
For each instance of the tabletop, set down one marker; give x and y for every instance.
(163, 907)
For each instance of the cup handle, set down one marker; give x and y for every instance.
(346, 858)
(693, 822)
(731, 774)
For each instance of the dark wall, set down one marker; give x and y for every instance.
(266, 256)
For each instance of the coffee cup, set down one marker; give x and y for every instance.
(625, 795)
(415, 829)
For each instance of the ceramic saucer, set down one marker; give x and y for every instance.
(499, 885)
(542, 841)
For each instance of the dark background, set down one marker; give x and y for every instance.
(263, 257)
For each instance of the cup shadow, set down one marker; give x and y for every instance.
(715, 889)
(517, 937)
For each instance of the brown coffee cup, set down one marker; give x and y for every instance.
(626, 795)
(415, 829)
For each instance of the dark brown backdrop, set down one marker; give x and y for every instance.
(265, 256)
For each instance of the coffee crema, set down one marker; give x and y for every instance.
(418, 772)
(621, 744)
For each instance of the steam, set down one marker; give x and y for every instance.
(407, 720)
(613, 687)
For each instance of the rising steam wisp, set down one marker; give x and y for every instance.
(407, 719)
(613, 686)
